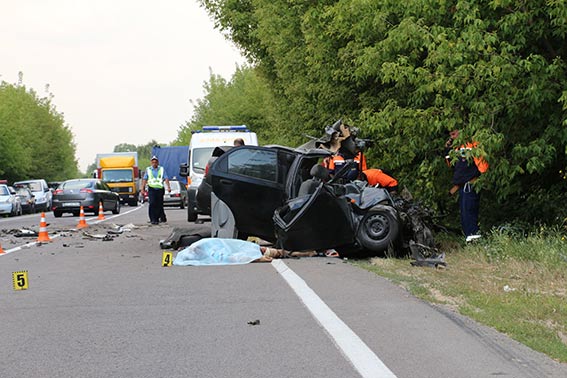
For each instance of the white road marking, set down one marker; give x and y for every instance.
(6, 251)
(28, 245)
(112, 216)
(357, 352)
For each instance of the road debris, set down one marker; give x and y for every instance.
(254, 322)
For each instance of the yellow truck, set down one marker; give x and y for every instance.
(120, 171)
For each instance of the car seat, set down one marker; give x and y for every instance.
(318, 174)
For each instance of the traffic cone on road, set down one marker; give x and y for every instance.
(43, 236)
(82, 221)
(100, 212)
(1, 250)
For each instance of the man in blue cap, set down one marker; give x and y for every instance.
(155, 177)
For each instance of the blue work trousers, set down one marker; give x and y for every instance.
(469, 203)
(155, 198)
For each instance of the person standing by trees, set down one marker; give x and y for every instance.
(466, 169)
(154, 177)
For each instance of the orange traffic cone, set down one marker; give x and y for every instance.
(43, 236)
(100, 212)
(82, 221)
(1, 250)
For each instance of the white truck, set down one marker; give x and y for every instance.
(201, 147)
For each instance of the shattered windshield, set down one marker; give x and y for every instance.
(117, 175)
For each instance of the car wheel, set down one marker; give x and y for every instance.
(57, 214)
(191, 214)
(182, 204)
(378, 230)
(116, 209)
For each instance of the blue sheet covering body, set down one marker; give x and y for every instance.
(216, 251)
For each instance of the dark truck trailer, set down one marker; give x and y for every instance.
(170, 158)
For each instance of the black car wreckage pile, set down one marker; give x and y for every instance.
(293, 199)
(413, 220)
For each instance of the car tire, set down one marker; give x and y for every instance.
(116, 209)
(133, 203)
(57, 214)
(191, 215)
(379, 229)
(182, 204)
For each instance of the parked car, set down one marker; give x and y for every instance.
(54, 185)
(72, 194)
(40, 190)
(27, 199)
(282, 195)
(143, 198)
(177, 196)
(9, 201)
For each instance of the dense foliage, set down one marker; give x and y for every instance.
(406, 73)
(245, 99)
(35, 142)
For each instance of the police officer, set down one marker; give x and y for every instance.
(154, 177)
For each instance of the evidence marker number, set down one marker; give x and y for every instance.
(20, 280)
(167, 259)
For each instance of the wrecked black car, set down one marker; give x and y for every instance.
(284, 195)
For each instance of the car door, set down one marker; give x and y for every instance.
(251, 181)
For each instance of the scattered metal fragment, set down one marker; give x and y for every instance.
(254, 322)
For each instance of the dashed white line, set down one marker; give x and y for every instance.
(357, 352)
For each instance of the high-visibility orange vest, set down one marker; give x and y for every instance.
(480, 163)
(375, 176)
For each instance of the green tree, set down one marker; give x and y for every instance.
(125, 147)
(244, 100)
(407, 73)
(34, 139)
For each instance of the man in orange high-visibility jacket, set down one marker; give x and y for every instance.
(376, 176)
(465, 173)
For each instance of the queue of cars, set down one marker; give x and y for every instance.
(61, 197)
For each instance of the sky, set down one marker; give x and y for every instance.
(121, 71)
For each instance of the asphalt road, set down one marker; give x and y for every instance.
(98, 308)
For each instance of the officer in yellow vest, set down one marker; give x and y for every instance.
(155, 177)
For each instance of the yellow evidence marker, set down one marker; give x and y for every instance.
(167, 259)
(20, 280)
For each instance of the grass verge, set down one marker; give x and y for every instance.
(514, 283)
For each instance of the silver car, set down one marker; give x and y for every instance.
(10, 203)
(178, 195)
(42, 193)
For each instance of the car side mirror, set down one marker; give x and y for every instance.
(183, 170)
(46, 190)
